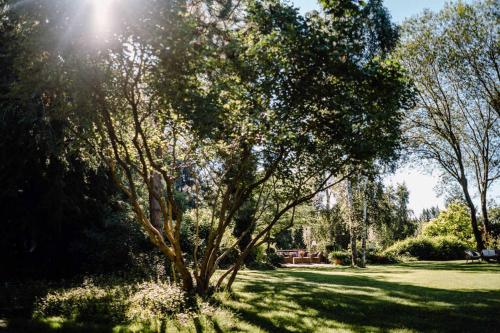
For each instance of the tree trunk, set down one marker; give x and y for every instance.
(473, 217)
(352, 231)
(155, 213)
(187, 279)
(230, 282)
(365, 231)
(484, 213)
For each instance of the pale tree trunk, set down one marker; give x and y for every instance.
(352, 228)
(484, 213)
(365, 229)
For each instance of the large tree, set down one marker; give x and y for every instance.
(452, 57)
(263, 106)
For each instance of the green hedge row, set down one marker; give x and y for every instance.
(428, 248)
(372, 257)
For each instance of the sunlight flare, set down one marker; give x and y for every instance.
(102, 16)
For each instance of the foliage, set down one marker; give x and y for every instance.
(372, 257)
(329, 229)
(88, 302)
(53, 197)
(343, 256)
(189, 105)
(274, 259)
(454, 221)
(452, 58)
(428, 214)
(494, 214)
(379, 257)
(388, 216)
(155, 301)
(392, 218)
(113, 301)
(429, 248)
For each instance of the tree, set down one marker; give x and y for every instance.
(453, 221)
(268, 111)
(429, 214)
(452, 58)
(51, 195)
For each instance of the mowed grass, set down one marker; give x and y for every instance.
(414, 297)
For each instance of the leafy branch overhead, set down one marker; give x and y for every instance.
(225, 105)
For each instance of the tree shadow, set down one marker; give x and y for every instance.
(361, 303)
(17, 300)
(26, 325)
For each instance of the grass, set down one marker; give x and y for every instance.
(414, 297)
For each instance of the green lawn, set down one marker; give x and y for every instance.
(414, 297)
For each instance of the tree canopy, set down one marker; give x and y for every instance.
(240, 110)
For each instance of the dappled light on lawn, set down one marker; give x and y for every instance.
(421, 297)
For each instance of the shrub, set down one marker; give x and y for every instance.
(343, 256)
(86, 303)
(454, 221)
(378, 257)
(420, 247)
(112, 302)
(429, 248)
(260, 266)
(154, 301)
(449, 248)
(274, 259)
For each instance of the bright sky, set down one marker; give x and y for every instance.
(421, 183)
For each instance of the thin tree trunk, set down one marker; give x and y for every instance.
(230, 282)
(352, 229)
(365, 230)
(484, 213)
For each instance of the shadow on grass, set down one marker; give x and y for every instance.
(24, 325)
(307, 301)
(17, 304)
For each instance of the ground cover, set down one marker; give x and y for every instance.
(413, 297)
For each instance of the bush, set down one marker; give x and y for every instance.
(429, 248)
(378, 257)
(343, 256)
(86, 303)
(260, 266)
(274, 259)
(452, 222)
(113, 302)
(449, 248)
(154, 301)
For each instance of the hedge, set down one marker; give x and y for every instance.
(429, 248)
